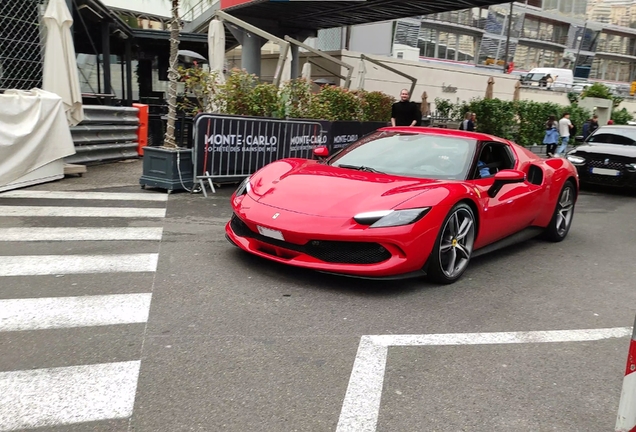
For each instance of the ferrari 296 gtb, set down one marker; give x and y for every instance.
(402, 202)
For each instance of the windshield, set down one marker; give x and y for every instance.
(409, 154)
(614, 135)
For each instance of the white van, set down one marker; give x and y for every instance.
(562, 77)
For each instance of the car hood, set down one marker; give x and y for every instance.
(309, 187)
(607, 150)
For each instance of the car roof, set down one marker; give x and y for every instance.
(445, 132)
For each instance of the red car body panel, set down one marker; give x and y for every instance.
(308, 201)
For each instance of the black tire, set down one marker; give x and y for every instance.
(563, 214)
(451, 242)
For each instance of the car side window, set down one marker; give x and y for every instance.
(608, 138)
(493, 157)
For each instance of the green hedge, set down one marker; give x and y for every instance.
(520, 121)
(243, 94)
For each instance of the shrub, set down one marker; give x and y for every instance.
(597, 90)
(235, 95)
(494, 116)
(296, 98)
(243, 94)
(444, 107)
(264, 101)
(200, 90)
(520, 121)
(335, 103)
(376, 106)
(622, 116)
(532, 117)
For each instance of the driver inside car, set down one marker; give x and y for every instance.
(484, 171)
(482, 165)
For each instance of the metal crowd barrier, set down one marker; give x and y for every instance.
(230, 148)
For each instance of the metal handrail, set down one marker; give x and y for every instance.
(199, 7)
(283, 44)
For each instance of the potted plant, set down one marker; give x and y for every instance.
(169, 166)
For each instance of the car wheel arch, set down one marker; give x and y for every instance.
(475, 208)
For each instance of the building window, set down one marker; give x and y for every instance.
(493, 51)
(527, 58)
(446, 46)
(610, 70)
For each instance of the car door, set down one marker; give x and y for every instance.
(514, 207)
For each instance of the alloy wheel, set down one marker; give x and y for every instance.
(565, 209)
(456, 243)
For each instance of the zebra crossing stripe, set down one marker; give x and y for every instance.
(111, 196)
(34, 234)
(34, 265)
(67, 312)
(51, 211)
(67, 395)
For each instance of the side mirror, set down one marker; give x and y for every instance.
(321, 152)
(579, 138)
(505, 177)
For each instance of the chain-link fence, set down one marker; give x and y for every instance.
(21, 36)
(330, 39)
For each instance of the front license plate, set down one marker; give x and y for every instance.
(605, 171)
(275, 234)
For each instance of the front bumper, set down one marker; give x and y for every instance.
(624, 179)
(333, 245)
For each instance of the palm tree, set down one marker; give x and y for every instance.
(173, 75)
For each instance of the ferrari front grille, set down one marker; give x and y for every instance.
(342, 252)
(347, 252)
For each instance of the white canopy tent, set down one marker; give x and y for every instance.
(60, 75)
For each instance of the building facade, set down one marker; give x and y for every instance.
(596, 38)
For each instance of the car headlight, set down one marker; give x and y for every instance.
(631, 166)
(391, 218)
(244, 187)
(577, 160)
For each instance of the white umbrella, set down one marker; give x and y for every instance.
(286, 72)
(362, 71)
(216, 47)
(306, 73)
(191, 54)
(60, 66)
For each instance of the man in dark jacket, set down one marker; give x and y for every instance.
(593, 123)
(405, 112)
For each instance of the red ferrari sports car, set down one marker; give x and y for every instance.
(403, 201)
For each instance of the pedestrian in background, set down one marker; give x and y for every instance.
(551, 138)
(405, 112)
(565, 127)
(467, 124)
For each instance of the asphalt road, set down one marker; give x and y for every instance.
(211, 339)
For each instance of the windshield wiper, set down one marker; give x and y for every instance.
(361, 168)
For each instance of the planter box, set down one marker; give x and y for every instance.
(160, 169)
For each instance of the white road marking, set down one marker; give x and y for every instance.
(111, 196)
(67, 395)
(67, 312)
(51, 211)
(33, 265)
(361, 404)
(32, 234)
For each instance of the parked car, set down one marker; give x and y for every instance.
(607, 157)
(562, 77)
(403, 202)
